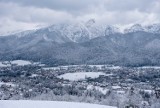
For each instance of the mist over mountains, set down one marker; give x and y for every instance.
(85, 43)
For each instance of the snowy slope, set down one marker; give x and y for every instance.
(48, 104)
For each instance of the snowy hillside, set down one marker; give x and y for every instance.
(48, 104)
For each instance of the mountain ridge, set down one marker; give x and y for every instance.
(84, 31)
(53, 46)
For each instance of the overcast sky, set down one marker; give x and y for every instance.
(27, 14)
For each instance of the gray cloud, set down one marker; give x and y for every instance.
(25, 14)
(67, 5)
(78, 5)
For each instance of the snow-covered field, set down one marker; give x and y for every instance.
(116, 87)
(102, 90)
(150, 67)
(21, 62)
(79, 66)
(47, 104)
(4, 65)
(15, 62)
(80, 75)
(51, 68)
(7, 84)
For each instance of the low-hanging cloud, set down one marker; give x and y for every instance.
(27, 14)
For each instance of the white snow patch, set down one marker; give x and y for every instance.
(97, 66)
(105, 66)
(114, 67)
(150, 67)
(149, 91)
(80, 75)
(61, 67)
(51, 68)
(38, 64)
(34, 75)
(81, 66)
(47, 104)
(7, 84)
(2, 65)
(21, 62)
(121, 92)
(116, 87)
(102, 90)
(109, 74)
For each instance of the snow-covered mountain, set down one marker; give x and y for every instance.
(154, 28)
(79, 31)
(111, 30)
(84, 31)
(134, 28)
(75, 32)
(85, 42)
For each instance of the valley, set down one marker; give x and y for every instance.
(100, 84)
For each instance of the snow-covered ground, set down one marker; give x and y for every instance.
(121, 92)
(21, 62)
(116, 87)
(47, 104)
(150, 67)
(4, 64)
(61, 67)
(105, 66)
(34, 75)
(79, 66)
(114, 67)
(51, 68)
(7, 84)
(102, 90)
(80, 75)
(148, 91)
